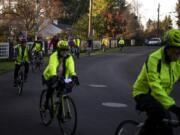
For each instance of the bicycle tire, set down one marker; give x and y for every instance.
(45, 114)
(35, 66)
(32, 65)
(63, 120)
(32, 68)
(20, 82)
(128, 127)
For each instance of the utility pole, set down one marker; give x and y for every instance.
(158, 10)
(2, 2)
(9, 5)
(137, 4)
(10, 38)
(90, 19)
(37, 19)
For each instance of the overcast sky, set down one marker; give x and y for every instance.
(148, 9)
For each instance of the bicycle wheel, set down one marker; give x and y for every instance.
(46, 114)
(32, 67)
(36, 65)
(32, 64)
(67, 116)
(128, 127)
(20, 82)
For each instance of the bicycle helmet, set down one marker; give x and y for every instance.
(172, 38)
(63, 45)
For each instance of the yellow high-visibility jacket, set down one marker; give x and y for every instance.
(54, 63)
(157, 78)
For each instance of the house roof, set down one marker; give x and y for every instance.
(63, 26)
(49, 29)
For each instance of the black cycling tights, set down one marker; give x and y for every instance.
(17, 68)
(155, 113)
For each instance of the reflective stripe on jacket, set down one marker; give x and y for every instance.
(157, 83)
(52, 68)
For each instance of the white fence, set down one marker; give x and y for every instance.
(4, 50)
(97, 44)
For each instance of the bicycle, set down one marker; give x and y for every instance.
(88, 50)
(131, 127)
(77, 52)
(103, 47)
(121, 46)
(36, 61)
(62, 107)
(20, 79)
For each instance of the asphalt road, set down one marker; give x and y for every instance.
(105, 80)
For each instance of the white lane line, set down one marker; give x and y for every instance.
(97, 85)
(115, 105)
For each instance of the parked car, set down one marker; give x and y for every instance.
(154, 41)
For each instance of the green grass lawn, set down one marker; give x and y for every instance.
(6, 66)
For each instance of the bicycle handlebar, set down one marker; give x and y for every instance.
(173, 123)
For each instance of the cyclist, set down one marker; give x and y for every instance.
(155, 82)
(61, 66)
(121, 43)
(104, 43)
(23, 55)
(89, 47)
(37, 48)
(54, 42)
(71, 45)
(77, 43)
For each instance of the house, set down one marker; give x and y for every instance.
(48, 29)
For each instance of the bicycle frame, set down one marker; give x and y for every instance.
(62, 108)
(59, 101)
(20, 79)
(37, 60)
(21, 70)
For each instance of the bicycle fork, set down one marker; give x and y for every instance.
(66, 111)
